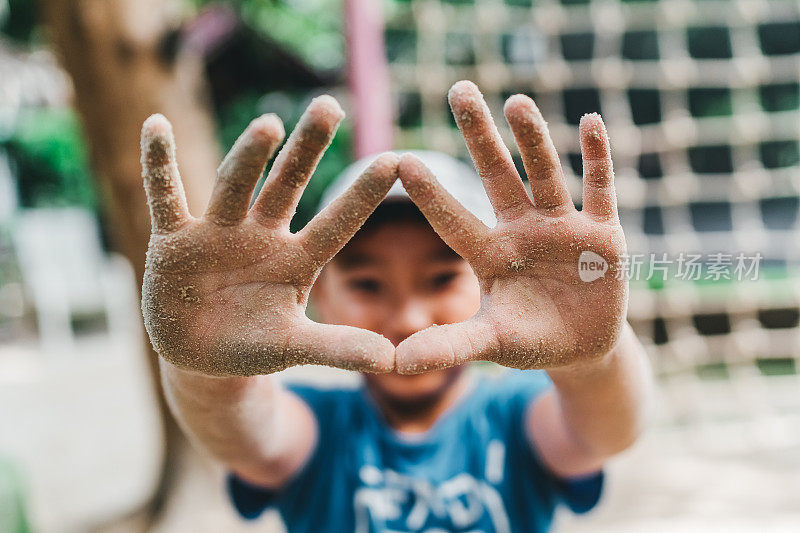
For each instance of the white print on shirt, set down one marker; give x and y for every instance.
(463, 499)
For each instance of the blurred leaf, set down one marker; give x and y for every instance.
(49, 151)
(311, 28)
(18, 20)
(235, 117)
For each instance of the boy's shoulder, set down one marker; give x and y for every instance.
(326, 397)
(509, 385)
(504, 395)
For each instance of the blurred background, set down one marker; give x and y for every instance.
(702, 102)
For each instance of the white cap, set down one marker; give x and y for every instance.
(458, 178)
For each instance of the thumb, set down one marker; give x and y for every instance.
(344, 347)
(446, 346)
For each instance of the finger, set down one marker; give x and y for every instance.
(447, 346)
(539, 156)
(328, 232)
(599, 196)
(297, 160)
(162, 182)
(491, 156)
(458, 228)
(258, 351)
(343, 347)
(241, 169)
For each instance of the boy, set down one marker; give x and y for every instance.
(409, 301)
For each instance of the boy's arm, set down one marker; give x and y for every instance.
(595, 410)
(224, 294)
(252, 425)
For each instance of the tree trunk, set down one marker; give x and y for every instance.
(126, 63)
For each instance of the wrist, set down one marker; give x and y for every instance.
(206, 384)
(590, 368)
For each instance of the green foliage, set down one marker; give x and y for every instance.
(49, 151)
(18, 20)
(235, 117)
(313, 29)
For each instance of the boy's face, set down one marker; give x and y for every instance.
(395, 279)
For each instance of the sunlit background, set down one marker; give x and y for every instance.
(702, 102)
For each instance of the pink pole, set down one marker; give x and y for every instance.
(368, 77)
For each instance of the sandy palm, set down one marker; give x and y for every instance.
(536, 312)
(226, 293)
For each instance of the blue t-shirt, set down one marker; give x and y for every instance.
(475, 470)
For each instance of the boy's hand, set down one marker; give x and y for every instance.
(226, 293)
(536, 312)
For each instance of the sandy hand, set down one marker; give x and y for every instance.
(536, 311)
(226, 293)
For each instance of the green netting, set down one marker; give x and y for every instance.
(702, 102)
